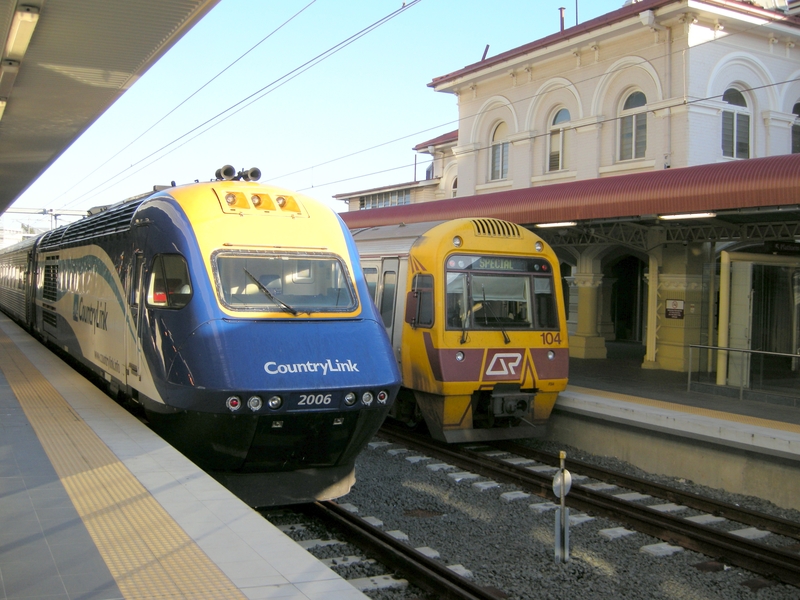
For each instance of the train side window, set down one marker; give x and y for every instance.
(371, 277)
(419, 305)
(387, 297)
(545, 303)
(169, 285)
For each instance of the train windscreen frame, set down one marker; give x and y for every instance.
(489, 292)
(294, 282)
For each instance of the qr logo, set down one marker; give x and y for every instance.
(504, 363)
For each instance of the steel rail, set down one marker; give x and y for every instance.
(735, 550)
(732, 512)
(424, 572)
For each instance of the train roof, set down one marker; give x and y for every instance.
(20, 246)
(392, 239)
(398, 239)
(115, 219)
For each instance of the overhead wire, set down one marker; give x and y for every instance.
(549, 131)
(227, 113)
(185, 100)
(299, 70)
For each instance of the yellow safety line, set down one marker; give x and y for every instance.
(148, 554)
(695, 410)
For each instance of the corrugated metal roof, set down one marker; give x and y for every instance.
(83, 55)
(395, 239)
(753, 183)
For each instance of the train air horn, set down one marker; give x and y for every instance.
(227, 172)
(253, 174)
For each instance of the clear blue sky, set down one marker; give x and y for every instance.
(370, 93)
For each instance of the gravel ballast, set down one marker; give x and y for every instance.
(508, 545)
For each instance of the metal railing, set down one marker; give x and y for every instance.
(745, 367)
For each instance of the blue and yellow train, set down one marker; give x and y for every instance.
(235, 314)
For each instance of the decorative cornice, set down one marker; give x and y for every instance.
(588, 280)
(690, 283)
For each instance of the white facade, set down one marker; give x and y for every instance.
(682, 56)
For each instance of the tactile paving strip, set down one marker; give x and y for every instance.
(148, 554)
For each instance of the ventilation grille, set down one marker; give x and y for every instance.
(496, 228)
(116, 219)
(50, 318)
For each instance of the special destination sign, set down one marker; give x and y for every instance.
(458, 262)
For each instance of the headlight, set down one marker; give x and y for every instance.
(457, 241)
(275, 402)
(254, 403)
(281, 201)
(460, 356)
(255, 199)
(230, 198)
(233, 403)
(551, 355)
(366, 398)
(539, 246)
(350, 399)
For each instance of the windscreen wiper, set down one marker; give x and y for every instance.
(464, 323)
(281, 304)
(496, 318)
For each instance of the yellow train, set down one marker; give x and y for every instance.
(474, 309)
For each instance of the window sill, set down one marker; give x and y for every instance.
(627, 165)
(495, 185)
(554, 176)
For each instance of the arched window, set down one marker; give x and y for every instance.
(735, 125)
(633, 127)
(796, 129)
(499, 166)
(557, 158)
(455, 188)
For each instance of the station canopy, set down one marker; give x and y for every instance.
(736, 201)
(64, 63)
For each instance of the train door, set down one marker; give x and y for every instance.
(134, 317)
(386, 299)
(30, 287)
(387, 291)
(371, 269)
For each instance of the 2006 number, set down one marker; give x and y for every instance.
(315, 399)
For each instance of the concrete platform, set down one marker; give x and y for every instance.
(93, 505)
(613, 407)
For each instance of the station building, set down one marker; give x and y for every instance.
(662, 108)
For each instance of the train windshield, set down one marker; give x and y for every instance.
(283, 282)
(495, 292)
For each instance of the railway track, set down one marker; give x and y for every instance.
(382, 557)
(426, 573)
(782, 564)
